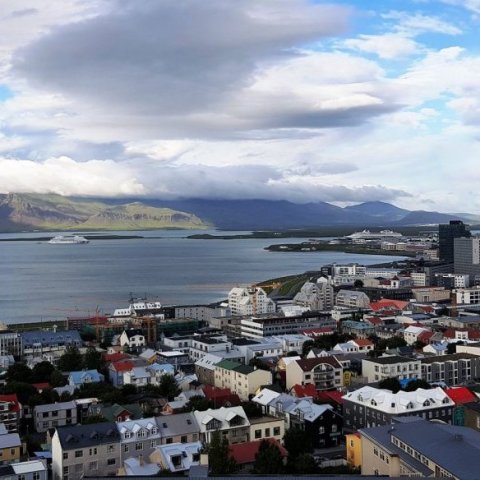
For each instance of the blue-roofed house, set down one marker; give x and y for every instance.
(38, 342)
(82, 377)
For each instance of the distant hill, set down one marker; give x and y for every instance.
(54, 212)
(380, 210)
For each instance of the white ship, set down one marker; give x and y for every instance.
(68, 240)
(368, 235)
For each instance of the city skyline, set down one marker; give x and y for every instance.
(342, 102)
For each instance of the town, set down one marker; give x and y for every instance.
(365, 370)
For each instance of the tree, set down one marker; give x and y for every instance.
(306, 347)
(91, 419)
(220, 461)
(168, 387)
(71, 360)
(358, 283)
(42, 372)
(199, 403)
(297, 442)
(268, 460)
(392, 384)
(129, 389)
(418, 345)
(252, 410)
(412, 385)
(19, 372)
(57, 379)
(306, 464)
(93, 360)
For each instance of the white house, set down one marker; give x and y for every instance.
(249, 301)
(132, 338)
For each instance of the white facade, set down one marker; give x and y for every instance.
(411, 334)
(250, 301)
(316, 296)
(377, 369)
(352, 299)
(467, 296)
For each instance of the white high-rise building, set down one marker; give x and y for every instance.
(250, 301)
(316, 296)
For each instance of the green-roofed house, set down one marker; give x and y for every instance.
(116, 412)
(243, 380)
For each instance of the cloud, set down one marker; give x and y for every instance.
(387, 46)
(210, 79)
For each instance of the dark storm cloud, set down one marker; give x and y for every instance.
(178, 64)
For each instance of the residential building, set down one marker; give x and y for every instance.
(258, 327)
(371, 407)
(353, 443)
(77, 379)
(203, 345)
(380, 368)
(249, 301)
(467, 296)
(29, 470)
(85, 450)
(205, 368)
(267, 427)
(360, 345)
(431, 294)
(10, 343)
(117, 370)
(352, 299)
(231, 422)
(452, 280)
(454, 369)
(177, 457)
(245, 454)
(467, 256)
(242, 379)
(324, 372)
(38, 342)
(54, 415)
(471, 415)
(419, 279)
(133, 338)
(316, 296)
(179, 428)
(138, 437)
(447, 233)
(411, 333)
(10, 448)
(419, 448)
(10, 412)
(116, 412)
(359, 329)
(321, 423)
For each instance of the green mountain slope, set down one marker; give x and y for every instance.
(54, 212)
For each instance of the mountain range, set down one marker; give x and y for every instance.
(53, 212)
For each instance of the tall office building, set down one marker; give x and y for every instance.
(446, 235)
(467, 256)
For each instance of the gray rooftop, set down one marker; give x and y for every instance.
(51, 407)
(10, 440)
(446, 358)
(179, 424)
(389, 360)
(81, 436)
(43, 337)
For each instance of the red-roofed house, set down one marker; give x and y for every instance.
(457, 334)
(386, 303)
(114, 357)
(10, 412)
(301, 391)
(317, 332)
(222, 397)
(244, 453)
(116, 370)
(461, 395)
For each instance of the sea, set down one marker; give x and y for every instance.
(42, 282)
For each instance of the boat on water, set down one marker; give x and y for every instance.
(68, 240)
(367, 234)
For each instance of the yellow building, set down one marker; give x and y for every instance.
(353, 442)
(10, 448)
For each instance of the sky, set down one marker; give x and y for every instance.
(302, 100)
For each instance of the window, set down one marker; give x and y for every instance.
(111, 448)
(111, 461)
(139, 446)
(125, 448)
(321, 430)
(65, 456)
(153, 443)
(78, 453)
(36, 475)
(141, 434)
(93, 451)
(169, 440)
(93, 466)
(258, 434)
(183, 439)
(276, 431)
(334, 428)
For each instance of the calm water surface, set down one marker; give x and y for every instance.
(39, 281)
